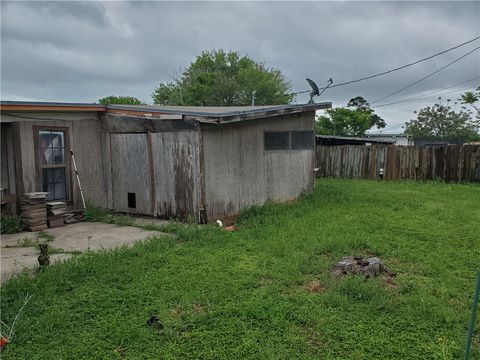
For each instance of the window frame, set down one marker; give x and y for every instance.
(66, 165)
(290, 135)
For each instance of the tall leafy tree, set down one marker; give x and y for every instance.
(442, 122)
(126, 100)
(219, 78)
(354, 120)
(360, 104)
(472, 98)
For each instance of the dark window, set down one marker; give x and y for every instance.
(302, 140)
(277, 140)
(52, 149)
(132, 200)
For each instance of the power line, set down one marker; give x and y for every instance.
(426, 77)
(426, 95)
(395, 69)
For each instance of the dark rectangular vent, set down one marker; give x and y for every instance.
(132, 200)
(302, 140)
(277, 140)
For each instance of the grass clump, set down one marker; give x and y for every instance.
(97, 214)
(266, 290)
(11, 224)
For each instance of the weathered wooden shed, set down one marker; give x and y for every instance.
(198, 163)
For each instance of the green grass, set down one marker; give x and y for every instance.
(96, 214)
(11, 224)
(246, 294)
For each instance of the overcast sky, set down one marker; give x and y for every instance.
(82, 51)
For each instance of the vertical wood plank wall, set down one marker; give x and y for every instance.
(452, 163)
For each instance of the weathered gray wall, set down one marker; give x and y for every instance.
(85, 139)
(239, 172)
(176, 164)
(174, 185)
(130, 172)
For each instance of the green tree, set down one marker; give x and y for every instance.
(361, 104)
(354, 120)
(471, 98)
(442, 122)
(343, 122)
(218, 78)
(126, 100)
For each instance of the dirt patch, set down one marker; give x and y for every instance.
(391, 284)
(229, 220)
(177, 311)
(266, 281)
(315, 287)
(314, 338)
(198, 308)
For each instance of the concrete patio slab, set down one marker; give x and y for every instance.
(15, 257)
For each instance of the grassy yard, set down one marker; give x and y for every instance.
(265, 291)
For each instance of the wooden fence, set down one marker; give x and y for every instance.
(453, 163)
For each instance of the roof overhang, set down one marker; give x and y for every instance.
(219, 117)
(201, 114)
(49, 106)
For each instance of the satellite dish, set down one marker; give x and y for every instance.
(315, 90)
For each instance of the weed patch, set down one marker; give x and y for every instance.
(11, 224)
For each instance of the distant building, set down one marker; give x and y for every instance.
(330, 140)
(398, 139)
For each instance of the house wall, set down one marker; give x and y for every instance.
(177, 174)
(85, 139)
(239, 172)
(156, 159)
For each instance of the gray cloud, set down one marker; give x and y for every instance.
(81, 51)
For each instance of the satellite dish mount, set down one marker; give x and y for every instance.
(315, 90)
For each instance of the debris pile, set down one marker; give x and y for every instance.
(56, 213)
(357, 265)
(34, 210)
(73, 216)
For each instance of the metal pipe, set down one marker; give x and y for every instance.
(78, 179)
(472, 318)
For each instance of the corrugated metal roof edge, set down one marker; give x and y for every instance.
(304, 107)
(199, 115)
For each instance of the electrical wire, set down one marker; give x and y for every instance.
(426, 94)
(426, 97)
(426, 77)
(392, 70)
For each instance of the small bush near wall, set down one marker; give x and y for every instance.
(11, 224)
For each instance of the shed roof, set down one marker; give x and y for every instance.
(216, 114)
(207, 114)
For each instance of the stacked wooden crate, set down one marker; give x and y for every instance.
(56, 213)
(34, 210)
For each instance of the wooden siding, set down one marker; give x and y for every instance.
(453, 163)
(85, 139)
(239, 172)
(130, 172)
(176, 166)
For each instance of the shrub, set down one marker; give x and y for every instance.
(11, 224)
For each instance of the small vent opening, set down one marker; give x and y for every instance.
(132, 200)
